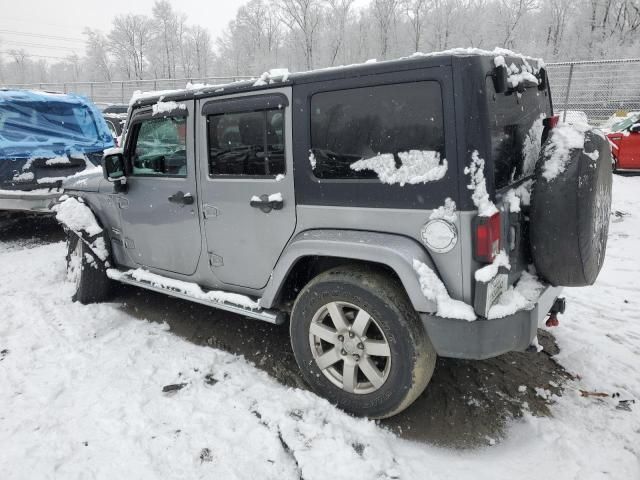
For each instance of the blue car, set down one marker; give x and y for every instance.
(44, 139)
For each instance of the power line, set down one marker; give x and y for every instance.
(41, 45)
(42, 35)
(34, 55)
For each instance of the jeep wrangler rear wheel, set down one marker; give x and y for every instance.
(359, 343)
(86, 271)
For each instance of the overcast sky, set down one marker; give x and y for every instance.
(54, 28)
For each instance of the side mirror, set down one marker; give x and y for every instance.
(113, 170)
(635, 128)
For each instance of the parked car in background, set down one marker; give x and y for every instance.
(45, 138)
(115, 123)
(624, 138)
(116, 108)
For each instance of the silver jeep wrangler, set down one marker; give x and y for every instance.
(388, 212)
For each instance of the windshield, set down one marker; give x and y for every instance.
(50, 122)
(626, 123)
(515, 125)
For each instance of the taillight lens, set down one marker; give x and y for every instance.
(551, 122)
(487, 241)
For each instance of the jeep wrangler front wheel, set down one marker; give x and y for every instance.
(86, 271)
(359, 343)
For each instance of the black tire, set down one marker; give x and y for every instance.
(89, 276)
(411, 355)
(569, 218)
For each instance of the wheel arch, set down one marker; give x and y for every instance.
(314, 251)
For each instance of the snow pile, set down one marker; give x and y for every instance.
(433, 289)
(478, 185)
(486, 273)
(166, 107)
(186, 288)
(418, 166)
(272, 76)
(78, 217)
(445, 212)
(565, 138)
(82, 386)
(51, 179)
(521, 297)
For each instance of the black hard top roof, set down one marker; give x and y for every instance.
(332, 73)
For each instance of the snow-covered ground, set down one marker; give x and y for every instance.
(81, 393)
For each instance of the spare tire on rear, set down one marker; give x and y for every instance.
(570, 206)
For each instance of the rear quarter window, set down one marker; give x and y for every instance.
(361, 123)
(515, 129)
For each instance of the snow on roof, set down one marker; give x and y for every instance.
(282, 75)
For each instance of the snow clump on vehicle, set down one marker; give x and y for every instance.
(75, 215)
(418, 166)
(166, 107)
(478, 184)
(434, 290)
(565, 138)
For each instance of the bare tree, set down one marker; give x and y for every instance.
(384, 12)
(20, 58)
(201, 42)
(339, 11)
(165, 26)
(129, 39)
(303, 16)
(415, 11)
(97, 55)
(512, 12)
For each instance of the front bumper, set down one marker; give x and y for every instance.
(38, 201)
(483, 338)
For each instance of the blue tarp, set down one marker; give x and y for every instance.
(50, 124)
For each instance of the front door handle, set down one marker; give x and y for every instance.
(181, 198)
(267, 203)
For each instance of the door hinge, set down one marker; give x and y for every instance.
(123, 203)
(209, 211)
(215, 260)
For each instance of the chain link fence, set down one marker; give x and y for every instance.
(121, 91)
(598, 89)
(595, 89)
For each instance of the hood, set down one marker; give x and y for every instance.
(88, 180)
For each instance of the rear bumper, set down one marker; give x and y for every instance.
(483, 338)
(25, 201)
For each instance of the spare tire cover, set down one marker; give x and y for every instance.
(569, 217)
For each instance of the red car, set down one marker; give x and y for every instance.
(625, 144)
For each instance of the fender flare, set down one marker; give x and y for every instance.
(394, 251)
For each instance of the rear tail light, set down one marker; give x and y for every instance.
(487, 238)
(551, 122)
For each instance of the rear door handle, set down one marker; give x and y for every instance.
(181, 198)
(263, 203)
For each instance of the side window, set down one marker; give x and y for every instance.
(161, 147)
(246, 143)
(387, 120)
